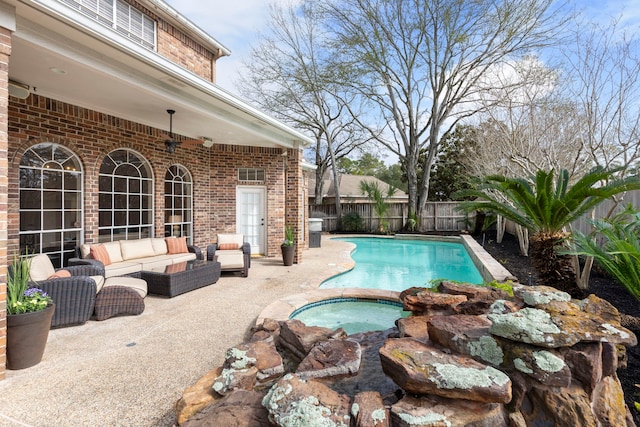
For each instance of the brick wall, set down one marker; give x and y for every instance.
(174, 45)
(5, 52)
(91, 135)
(178, 47)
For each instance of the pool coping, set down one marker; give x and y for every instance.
(489, 268)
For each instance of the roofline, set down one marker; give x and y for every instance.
(172, 15)
(169, 68)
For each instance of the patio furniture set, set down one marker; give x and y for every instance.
(113, 278)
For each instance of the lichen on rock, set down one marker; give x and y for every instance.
(451, 376)
(529, 325)
(535, 298)
(378, 415)
(425, 420)
(615, 331)
(487, 349)
(242, 361)
(548, 361)
(522, 366)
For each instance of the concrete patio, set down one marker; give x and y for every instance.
(129, 371)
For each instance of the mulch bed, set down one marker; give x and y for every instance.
(600, 284)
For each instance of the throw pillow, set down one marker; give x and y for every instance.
(99, 252)
(228, 246)
(176, 245)
(60, 274)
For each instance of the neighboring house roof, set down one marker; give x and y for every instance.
(64, 55)
(350, 187)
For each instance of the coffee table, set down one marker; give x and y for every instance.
(176, 279)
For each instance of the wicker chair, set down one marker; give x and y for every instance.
(74, 296)
(232, 252)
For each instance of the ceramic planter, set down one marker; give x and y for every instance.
(287, 254)
(27, 335)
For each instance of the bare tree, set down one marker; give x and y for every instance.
(291, 74)
(603, 78)
(420, 64)
(527, 126)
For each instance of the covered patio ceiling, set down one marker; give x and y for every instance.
(84, 64)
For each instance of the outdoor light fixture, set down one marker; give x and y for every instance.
(19, 90)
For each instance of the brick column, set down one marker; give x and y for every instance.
(294, 214)
(5, 53)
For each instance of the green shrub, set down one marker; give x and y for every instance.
(619, 254)
(352, 222)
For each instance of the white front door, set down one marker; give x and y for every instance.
(250, 216)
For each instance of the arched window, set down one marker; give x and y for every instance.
(178, 203)
(126, 197)
(50, 202)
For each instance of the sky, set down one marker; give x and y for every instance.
(236, 24)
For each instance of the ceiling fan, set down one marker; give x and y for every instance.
(171, 143)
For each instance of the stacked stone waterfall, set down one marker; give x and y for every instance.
(467, 356)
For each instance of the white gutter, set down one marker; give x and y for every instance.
(173, 15)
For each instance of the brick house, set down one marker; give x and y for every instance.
(85, 90)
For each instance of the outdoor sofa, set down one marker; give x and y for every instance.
(130, 257)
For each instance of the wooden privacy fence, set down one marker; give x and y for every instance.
(437, 216)
(440, 216)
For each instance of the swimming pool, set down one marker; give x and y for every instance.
(352, 314)
(398, 264)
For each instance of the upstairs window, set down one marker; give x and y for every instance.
(120, 16)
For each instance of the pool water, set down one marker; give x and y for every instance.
(352, 314)
(392, 264)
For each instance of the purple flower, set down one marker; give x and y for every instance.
(34, 292)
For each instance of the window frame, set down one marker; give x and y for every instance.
(61, 206)
(111, 14)
(178, 217)
(117, 201)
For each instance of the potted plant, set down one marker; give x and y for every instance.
(288, 246)
(29, 314)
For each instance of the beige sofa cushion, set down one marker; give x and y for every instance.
(159, 246)
(155, 262)
(114, 251)
(85, 250)
(121, 268)
(230, 259)
(237, 239)
(99, 282)
(138, 285)
(176, 258)
(133, 249)
(41, 268)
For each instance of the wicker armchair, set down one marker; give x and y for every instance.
(74, 296)
(232, 252)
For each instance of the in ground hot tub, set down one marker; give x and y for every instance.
(354, 315)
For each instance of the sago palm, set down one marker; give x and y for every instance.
(619, 254)
(546, 206)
